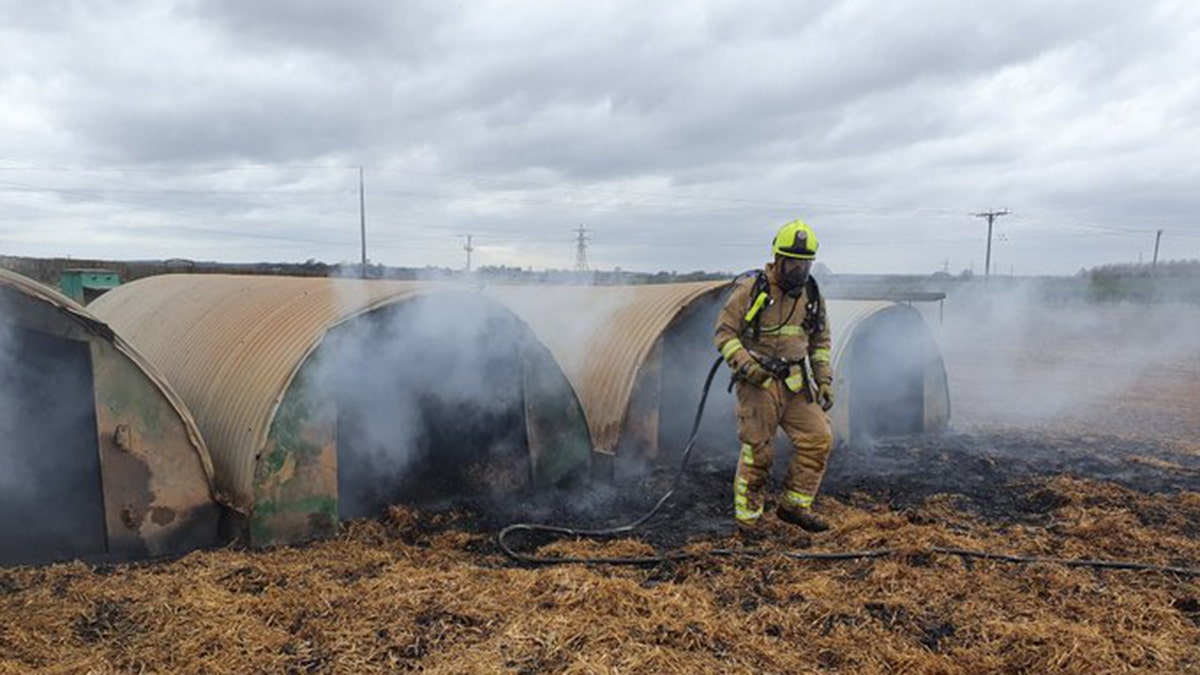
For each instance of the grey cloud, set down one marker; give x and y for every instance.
(720, 119)
(352, 30)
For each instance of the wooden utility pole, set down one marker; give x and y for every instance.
(469, 248)
(991, 218)
(362, 220)
(1154, 263)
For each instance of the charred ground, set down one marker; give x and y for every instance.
(1003, 478)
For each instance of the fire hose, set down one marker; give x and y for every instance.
(678, 556)
(620, 529)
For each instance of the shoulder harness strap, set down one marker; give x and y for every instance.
(761, 298)
(814, 309)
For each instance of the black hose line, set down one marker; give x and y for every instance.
(1068, 562)
(837, 556)
(620, 529)
(678, 556)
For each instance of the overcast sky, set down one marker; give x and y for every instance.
(681, 134)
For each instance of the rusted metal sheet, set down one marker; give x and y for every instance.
(232, 345)
(559, 443)
(157, 494)
(602, 336)
(296, 481)
(155, 473)
(239, 349)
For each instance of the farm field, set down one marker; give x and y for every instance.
(1076, 435)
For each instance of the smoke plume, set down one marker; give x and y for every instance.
(1018, 359)
(430, 402)
(51, 502)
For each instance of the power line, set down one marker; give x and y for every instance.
(179, 169)
(991, 217)
(680, 200)
(515, 183)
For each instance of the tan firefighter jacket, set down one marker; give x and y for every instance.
(782, 332)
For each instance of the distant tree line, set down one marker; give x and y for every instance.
(48, 271)
(1170, 268)
(1170, 281)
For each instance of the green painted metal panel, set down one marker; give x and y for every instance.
(295, 481)
(85, 285)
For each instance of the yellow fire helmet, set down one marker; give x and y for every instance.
(795, 240)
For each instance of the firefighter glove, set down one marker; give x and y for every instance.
(825, 395)
(752, 371)
(745, 367)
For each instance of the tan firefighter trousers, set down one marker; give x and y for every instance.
(760, 412)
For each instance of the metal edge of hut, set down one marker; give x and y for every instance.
(156, 478)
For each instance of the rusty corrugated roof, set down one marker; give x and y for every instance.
(94, 324)
(601, 336)
(232, 344)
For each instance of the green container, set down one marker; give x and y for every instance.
(83, 285)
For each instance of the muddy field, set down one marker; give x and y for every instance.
(1100, 469)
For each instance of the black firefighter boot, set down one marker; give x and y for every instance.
(801, 518)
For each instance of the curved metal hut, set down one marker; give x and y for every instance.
(638, 356)
(99, 458)
(323, 398)
(608, 340)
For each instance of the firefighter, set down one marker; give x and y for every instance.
(774, 334)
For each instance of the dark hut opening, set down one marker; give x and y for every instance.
(687, 354)
(888, 360)
(430, 405)
(52, 503)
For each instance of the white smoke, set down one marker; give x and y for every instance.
(430, 387)
(570, 320)
(51, 504)
(13, 473)
(1018, 359)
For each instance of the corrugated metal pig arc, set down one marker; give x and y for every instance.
(245, 352)
(602, 336)
(105, 461)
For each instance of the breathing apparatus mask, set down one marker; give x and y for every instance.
(792, 274)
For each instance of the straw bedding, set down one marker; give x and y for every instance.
(424, 592)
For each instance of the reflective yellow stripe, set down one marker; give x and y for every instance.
(747, 454)
(795, 382)
(730, 348)
(798, 499)
(820, 355)
(747, 515)
(741, 502)
(756, 307)
(783, 331)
